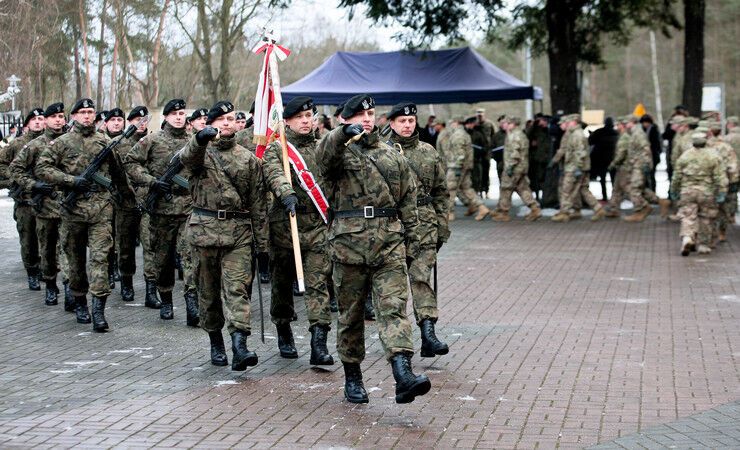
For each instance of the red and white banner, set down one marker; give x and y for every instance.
(266, 115)
(308, 181)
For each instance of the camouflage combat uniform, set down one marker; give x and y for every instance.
(641, 161)
(727, 156)
(128, 217)
(374, 188)
(226, 180)
(432, 201)
(733, 138)
(623, 165)
(458, 150)
(577, 164)
(244, 138)
(516, 162)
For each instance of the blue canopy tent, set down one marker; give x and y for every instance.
(458, 75)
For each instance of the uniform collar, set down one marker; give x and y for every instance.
(225, 143)
(299, 140)
(51, 134)
(406, 142)
(85, 130)
(175, 132)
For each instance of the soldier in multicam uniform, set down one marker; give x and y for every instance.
(87, 225)
(432, 200)
(727, 155)
(145, 163)
(312, 231)
(733, 138)
(373, 237)
(23, 172)
(458, 149)
(25, 218)
(699, 184)
(574, 153)
(623, 167)
(516, 168)
(228, 215)
(641, 160)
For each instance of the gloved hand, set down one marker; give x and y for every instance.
(81, 184)
(162, 187)
(352, 129)
(205, 135)
(289, 203)
(40, 187)
(510, 171)
(439, 245)
(578, 173)
(674, 196)
(721, 197)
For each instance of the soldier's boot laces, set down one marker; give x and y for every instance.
(167, 310)
(333, 305)
(431, 346)
(218, 349)
(52, 293)
(598, 214)
(33, 280)
(408, 385)
(354, 389)
(70, 304)
(483, 211)
(243, 357)
(369, 309)
(127, 288)
(534, 214)
(152, 300)
(191, 308)
(98, 314)
(286, 344)
(81, 311)
(319, 352)
(500, 216)
(686, 244)
(560, 217)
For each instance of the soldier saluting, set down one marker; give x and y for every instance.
(228, 214)
(372, 238)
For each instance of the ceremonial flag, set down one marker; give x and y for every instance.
(266, 116)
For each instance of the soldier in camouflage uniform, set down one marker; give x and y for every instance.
(727, 155)
(245, 136)
(25, 218)
(516, 168)
(112, 128)
(488, 130)
(312, 230)
(373, 238)
(641, 160)
(699, 184)
(574, 153)
(197, 119)
(623, 167)
(145, 163)
(458, 149)
(46, 208)
(432, 200)
(228, 216)
(87, 225)
(733, 138)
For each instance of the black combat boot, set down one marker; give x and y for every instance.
(243, 357)
(286, 344)
(83, 315)
(354, 390)
(98, 314)
(166, 312)
(319, 352)
(127, 288)
(430, 345)
(369, 309)
(33, 279)
(218, 349)
(191, 308)
(408, 385)
(70, 304)
(52, 293)
(152, 301)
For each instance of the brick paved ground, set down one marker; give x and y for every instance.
(562, 335)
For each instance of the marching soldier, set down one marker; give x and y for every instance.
(228, 215)
(623, 167)
(25, 219)
(375, 214)
(432, 200)
(145, 163)
(113, 124)
(727, 155)
(87, 226)
(641, 158)
(515, 175)
(307, 201)
(45, 203)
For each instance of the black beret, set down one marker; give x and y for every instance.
(241, 116)
(218, 110)
(100, 115)
(200, 112)
(115, 112)
(473, 119)
(360, 102)
(54, 108)
(402, 109)
(175, 104)
(82, 103)
(138, 111)
(297, 105)
(339, 109)
(35, 112)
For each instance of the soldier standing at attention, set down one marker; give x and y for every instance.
(25, 218)
(516, 168)
(145, 163)
(113, 124)
(23, 172)
(432, 200)
(228, 214)
(307, 200)
(373, 238)
(198, 119)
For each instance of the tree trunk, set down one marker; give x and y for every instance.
(227, 46)
(206, 60)
(153, 94)
(101, 52)
(78, 77)
(693, 56)
(561, 52)
(83, 30)
(114, 63)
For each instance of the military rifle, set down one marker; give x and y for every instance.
(169, 176)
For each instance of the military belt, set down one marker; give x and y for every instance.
(221, 214)
(423, 201)
(367, 212)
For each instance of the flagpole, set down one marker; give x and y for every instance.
(275, 80)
